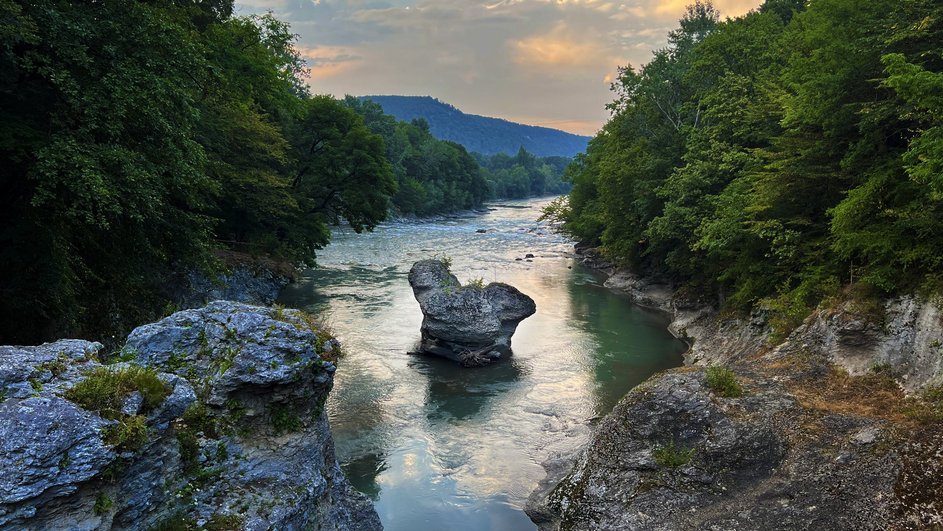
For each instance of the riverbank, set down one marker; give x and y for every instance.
(824, 434)
(218, 422)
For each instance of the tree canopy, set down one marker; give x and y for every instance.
(772, 158)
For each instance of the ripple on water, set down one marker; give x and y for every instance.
(441, 447)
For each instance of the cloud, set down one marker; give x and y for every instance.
(561, 48)
(539, 61)
(328, 61)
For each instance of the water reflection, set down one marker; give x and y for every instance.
(443, 447)
(456, 393)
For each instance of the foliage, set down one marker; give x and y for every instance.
(480, 134)
(475, 283)
(103, 504)
(523, 175)
(774, 157)
(129, 434)
(284, 420)
(104, 389)
(141, 140)
(432, 175)
(671, 455)
(724, 382)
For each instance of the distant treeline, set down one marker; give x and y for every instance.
(776, 158)
(139, 138)
(481, 134)
(440, 176)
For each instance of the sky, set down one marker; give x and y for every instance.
(539, 62)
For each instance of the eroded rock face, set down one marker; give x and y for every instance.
(674, 455)
(240, 440)
(471, 325)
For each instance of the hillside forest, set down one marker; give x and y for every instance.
(141, 139)
(776, 160)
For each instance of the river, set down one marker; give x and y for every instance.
(438, 446)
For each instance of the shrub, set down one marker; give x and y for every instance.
(128, 435)
(476, 283)
(284, 421)
(104, 389)
(723, 381)
(672, 455)
(103, 504)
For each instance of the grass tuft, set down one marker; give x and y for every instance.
(128, 435)
(104, 390)
(723, 382)
(671, 455)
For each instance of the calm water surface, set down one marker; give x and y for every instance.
(441, 447)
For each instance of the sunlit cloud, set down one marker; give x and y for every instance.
(328, 61)
(545, 62)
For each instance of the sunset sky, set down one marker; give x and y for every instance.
(541, 62)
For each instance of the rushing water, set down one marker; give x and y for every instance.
(441, 447)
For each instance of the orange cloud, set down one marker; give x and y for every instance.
(328, 61)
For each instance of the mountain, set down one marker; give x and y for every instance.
(480, 133)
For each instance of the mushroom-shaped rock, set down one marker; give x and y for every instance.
(469, 324)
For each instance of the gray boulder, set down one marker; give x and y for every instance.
(240, 439)
(674, 455)
(469, 324)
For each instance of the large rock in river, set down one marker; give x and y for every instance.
(469, 324)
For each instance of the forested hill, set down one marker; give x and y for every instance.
(480, 133)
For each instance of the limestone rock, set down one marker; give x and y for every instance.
(469, 324)
(241, 437)
(672, 455)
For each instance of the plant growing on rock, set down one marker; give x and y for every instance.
(129, 434)
(104, 390)
(723, 382)
(672, 455)
(475, 283)
(103, 504)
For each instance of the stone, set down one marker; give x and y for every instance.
(242, 431)
(468, 324)
(762, 461)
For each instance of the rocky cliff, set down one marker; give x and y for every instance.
(837, 427)
(212, 418)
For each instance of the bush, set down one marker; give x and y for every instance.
(128, 435)
(723, 381)
(104, 390)
(103, 504)
(672, 455)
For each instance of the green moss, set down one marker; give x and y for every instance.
(57, 366)
(672, 455)
(103, 504)
(105, 389)
(284, 420)
(189, 447)
(36, 385)
(723, 382)
(128, 435)
(176, 522)
(926, 408)
(225, 522)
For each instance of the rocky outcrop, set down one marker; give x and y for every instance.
(825, 435)
(219, 422)
(242, 282)
(469, 324)
(675, 455)
(903, 336)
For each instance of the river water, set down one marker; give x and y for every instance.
(441, 447)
